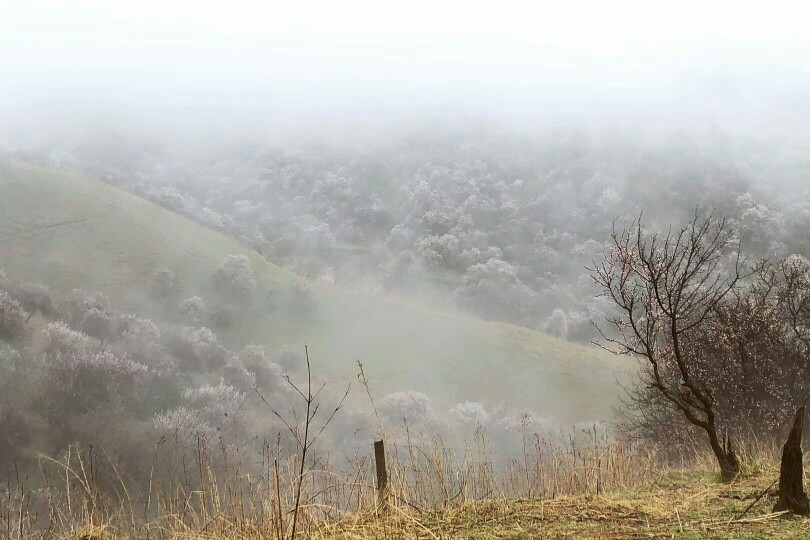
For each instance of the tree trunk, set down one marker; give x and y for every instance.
(726, 458)
(729, 467)
(791, 474)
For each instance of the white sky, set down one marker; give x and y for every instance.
(580, 24)
(495, 51)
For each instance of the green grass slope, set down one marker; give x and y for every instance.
(69, 231)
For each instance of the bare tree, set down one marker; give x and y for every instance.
(666, 288)
(302, 430)
(750, 353)
(793, 274)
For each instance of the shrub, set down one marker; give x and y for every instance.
(34, 297)
(208, 410)
(410, 406)
(495, 289)
(197, 349)
(235, 372)
(470, 412)
(557, 324)
(163, 283)
(89, 312)
(192, 310)
(267, 373)
(10, 359)
(235, 276)
(83, 383)
(216, 401)
(98, 323)
(12, 318)
(184, 423)
(61, 340)
(141, 341)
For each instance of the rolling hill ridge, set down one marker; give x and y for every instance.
(69, 231)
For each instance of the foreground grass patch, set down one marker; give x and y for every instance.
(689, 506)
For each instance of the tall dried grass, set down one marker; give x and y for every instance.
(217, 491)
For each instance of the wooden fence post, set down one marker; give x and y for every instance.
(382, 473)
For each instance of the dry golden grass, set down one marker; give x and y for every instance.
(606, 492)
(687, 505)
(677, 505)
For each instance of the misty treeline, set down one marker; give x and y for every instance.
(77, 374)
(516, 226)
(502, 222)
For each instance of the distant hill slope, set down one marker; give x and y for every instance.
(69, 231)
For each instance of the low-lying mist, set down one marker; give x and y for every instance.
(195, 213)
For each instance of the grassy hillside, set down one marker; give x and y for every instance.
(69, 231)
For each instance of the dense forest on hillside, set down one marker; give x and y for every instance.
(500, 221)
(71, 364)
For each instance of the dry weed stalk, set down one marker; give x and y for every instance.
(300, 434)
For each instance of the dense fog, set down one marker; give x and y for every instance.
(471, 167)
(493, 219)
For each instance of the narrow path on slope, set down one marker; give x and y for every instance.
(37, 230)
